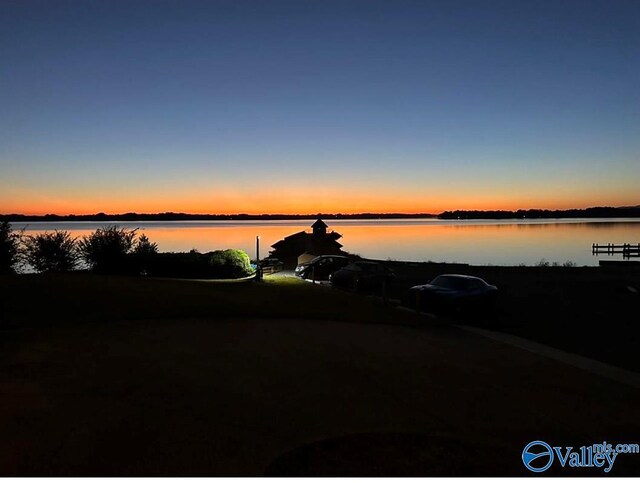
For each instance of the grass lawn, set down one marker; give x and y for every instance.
(52, 300)
(116, 376)
(589, 311)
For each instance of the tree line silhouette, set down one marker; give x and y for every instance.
(593, 212)
(171, 216)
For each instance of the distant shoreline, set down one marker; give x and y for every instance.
(207, 217)
(594, 212)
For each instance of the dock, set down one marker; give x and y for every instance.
(628, 250)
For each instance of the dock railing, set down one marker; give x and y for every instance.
(628, 250)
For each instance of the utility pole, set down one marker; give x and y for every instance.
(258, 270)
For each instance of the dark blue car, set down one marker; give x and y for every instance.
(453, 292)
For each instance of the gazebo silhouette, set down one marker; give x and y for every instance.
(318, 242)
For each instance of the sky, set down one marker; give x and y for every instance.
(318, 106)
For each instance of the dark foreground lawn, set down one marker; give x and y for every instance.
(108, 376)
(52, 300)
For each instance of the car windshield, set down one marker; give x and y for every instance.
(456, 283)
(324, 259)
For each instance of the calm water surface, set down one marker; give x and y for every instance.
(478, 242)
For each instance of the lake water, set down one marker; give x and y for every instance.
(478, 242)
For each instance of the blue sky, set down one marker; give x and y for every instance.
(270, 106)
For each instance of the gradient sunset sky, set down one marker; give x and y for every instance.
(318, 106)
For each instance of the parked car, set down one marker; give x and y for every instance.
(453, 292)
(271, 265)
(321, 267)
(362, 276)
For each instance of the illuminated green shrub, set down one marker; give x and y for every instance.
(219, 264)
(230, 263)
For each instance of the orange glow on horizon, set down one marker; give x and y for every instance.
(284, 208)
(292, 201)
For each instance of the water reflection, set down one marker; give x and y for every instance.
(501, 242)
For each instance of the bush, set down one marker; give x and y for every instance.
(51, 252)
(230, 263)
(180, 265)
(9, 248)
(144, 253)
(542, 263)
(107, 250)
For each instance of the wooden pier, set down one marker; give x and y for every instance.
(628, 250)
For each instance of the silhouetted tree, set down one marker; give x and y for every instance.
(9, 248)
(144, 253)
(595, 212)
(51, 252)
(106, 250)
